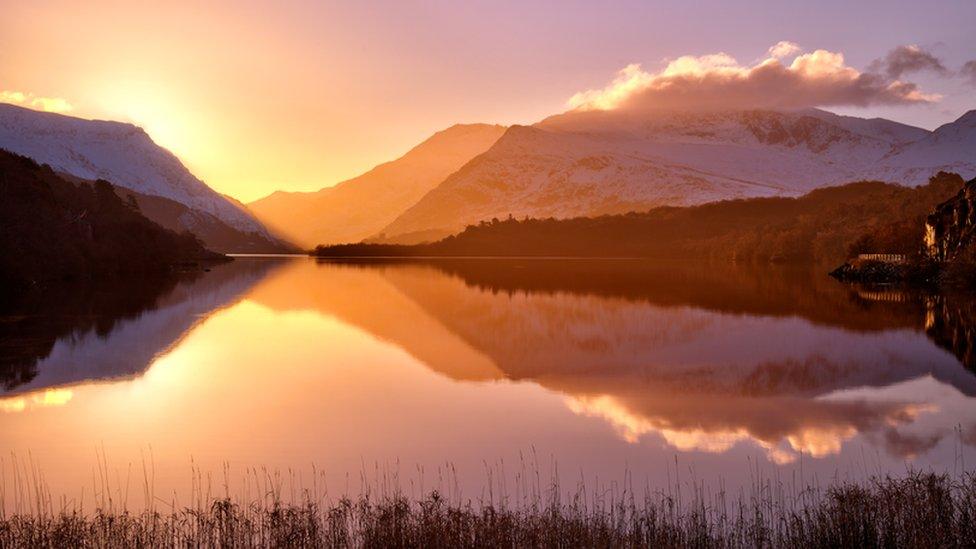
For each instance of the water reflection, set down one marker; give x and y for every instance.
(951, 323)
(598, 362)
(703, 357)
(31, 324)
(74, 333)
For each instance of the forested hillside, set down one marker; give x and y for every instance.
(820, 226)
(51, 228)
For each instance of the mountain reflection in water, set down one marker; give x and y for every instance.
(337, 361)
(704, 356)
(76, 332)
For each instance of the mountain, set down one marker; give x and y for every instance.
(51, 228)
(215, 233)
(587, 163)
(951, 148)
(360, 207)
(888, 130)
(820, 226)
(125, 155)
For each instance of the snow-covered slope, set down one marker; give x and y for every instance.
(951, 148)
(888, 130)
(120, 153)
(598, 162)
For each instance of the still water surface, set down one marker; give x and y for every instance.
(454, 371)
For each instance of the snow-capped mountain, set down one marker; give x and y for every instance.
(951, 147)
(120, 153)
(585, 163)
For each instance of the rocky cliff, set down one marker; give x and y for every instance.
(951, 228)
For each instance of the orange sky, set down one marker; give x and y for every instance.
(249, 103)
(257, 96)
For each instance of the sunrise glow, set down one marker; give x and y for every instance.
(507, 273)
(294, 99)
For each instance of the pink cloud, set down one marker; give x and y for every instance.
(718, 81)
(907, 59)
(783, 49)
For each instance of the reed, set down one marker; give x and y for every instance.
(289, 510)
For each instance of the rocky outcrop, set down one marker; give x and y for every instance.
(951, 228)
(949, 231)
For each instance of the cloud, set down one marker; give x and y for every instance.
(968, 71)
(718, 81)
(49, 104)
(908, 59)
(784, 49)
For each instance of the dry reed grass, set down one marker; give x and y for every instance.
(276, 510)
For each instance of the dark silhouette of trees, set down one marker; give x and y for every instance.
(51, 228)
(822, 226)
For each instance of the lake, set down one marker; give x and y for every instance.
(479, 378)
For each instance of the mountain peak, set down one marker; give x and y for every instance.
(455, 140)
(360, 207)
(590, 163)
(36, 118)
(119, 152)
(967, 119)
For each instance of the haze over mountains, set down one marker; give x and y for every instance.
(361, 207)
(126, 156)
(586, 163)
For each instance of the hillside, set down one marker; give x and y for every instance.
(591, 163)
(819, 226)
(360, 207)
(56, 229)
(127, 156)
(951, 148)
(214, 233)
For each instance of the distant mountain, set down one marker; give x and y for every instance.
(126, 156)
(51, 228)
(951, 148)
(360, 207)
(894, 132)
(586, 163)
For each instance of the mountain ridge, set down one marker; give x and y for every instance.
(585, 163)
(122, 153)
(359, 207)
